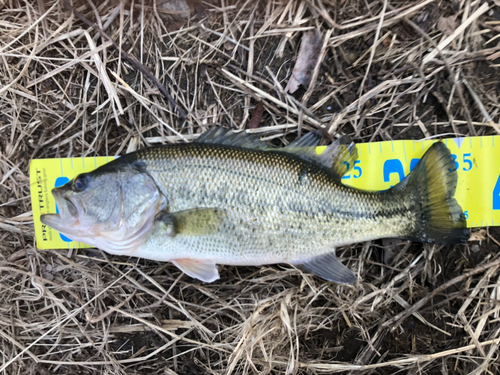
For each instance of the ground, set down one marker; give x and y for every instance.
(66, 91)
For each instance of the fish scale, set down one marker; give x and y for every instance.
(269, 202)
(230, 199)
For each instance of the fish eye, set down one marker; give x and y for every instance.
(80, 183)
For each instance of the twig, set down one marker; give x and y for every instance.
(474, 16)
(394, 322)
(448, 67)
(374, 47)
(397, 362)
(480, 105)
(130, 58)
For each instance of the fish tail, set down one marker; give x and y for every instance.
(433, 182)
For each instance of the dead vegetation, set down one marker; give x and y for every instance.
(383, 70)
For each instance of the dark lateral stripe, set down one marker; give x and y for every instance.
(346, 214)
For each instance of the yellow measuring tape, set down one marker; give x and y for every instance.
(380, 165)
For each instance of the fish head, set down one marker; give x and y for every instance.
(112, 209)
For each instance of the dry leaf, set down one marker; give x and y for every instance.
(480, 235)
(174, 26)
(387, 42)
(446, 25)
(310, 49)
(256, 116)
(178, 8)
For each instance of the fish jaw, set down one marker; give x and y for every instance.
(67, 221)
(54, 221)
(73, 231)
(115, 236)
(117, 241)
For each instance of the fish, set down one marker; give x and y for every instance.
(230, 199)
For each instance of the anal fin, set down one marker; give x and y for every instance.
(328, 267)
(204, 270)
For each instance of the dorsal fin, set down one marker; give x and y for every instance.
(339, 156)
(229, 137)
(305, 147)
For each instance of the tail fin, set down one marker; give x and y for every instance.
(434, 181)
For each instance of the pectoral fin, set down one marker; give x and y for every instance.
(329, 268)
(204, 270)
(194, 222)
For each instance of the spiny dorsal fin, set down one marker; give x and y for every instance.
(305, 146)
(229, 137)
(339, 157)
(310, 140)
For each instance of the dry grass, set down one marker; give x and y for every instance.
(66, 91)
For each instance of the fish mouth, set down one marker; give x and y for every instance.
(53, 220)
(67, 228)
(67, 216)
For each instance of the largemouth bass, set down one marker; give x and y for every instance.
(230, 199)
